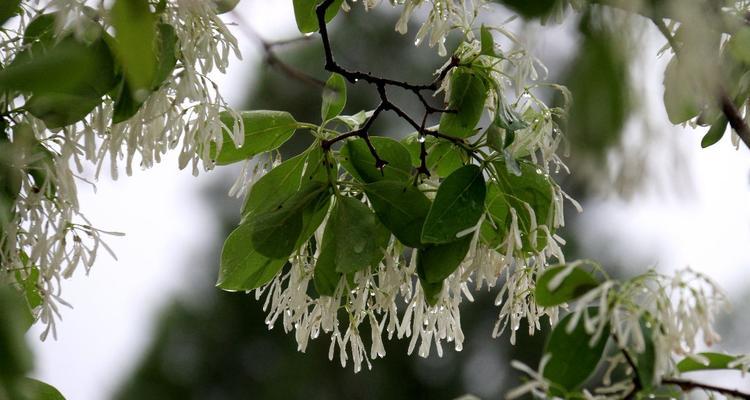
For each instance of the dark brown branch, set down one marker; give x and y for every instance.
(687, 386)
(270, 55)
(386, 105)
(364, 133)
(734, 118)
(637, 384)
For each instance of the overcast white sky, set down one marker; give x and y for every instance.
(161, 212)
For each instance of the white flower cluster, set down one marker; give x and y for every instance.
(443, 16)
(48, 234)
(674, 311)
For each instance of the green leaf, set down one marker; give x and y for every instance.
(715, 133)
(59, 109)
(334, 97)
(599, 83)
(68, 67)
(681, 100)
(135, 34)
(438, 262)
(467, 96)
(242, 267)
(401, 207)
(646, 360)
(531, 187)
(530, 9)
(14, 352)
(359, 240)
(275, 232)
(443, 157)
(125, 105)
(225, 6)
(8, 8)
(360, 164)
(304, 14)
(431, 291)
(715, 361)
(495, 226)
(572, 357)
(284, 181)
(166, 54)
(32, 389)
(264, 131)
(325, 276)
(458, 204)
(739, 45)
(487, 42)
(577, 283)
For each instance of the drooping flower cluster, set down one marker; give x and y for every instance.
(655, 313)
(47, 237)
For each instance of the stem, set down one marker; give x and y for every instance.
(687, 386)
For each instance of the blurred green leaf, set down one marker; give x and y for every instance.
(14, 352)
(135, 34)
(715, 133)
(487, 42)
(334, 97)
(263, 130)
(467, 96)
(225, 6)
(9, 8)
(599, 83)
(681, 100)
(401, 207)
(739, 45)
(576, 283)
(530, 9)
(32, 389)
(646, 360)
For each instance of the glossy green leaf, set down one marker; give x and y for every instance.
(458, 205)
(334, 97)
(358, 161)
(401, 207)
(242, 267)
(575, 284)
(495, 226)
(532, 187)
(304, 14)
(443, 157)
(715, 361)
(325, 276)
(431, 291)
(264, 131)
(467, 97)
(8, 8)
(135, 34)
(437, 262)
(359, 240)
(572, 357)
(284, 181)
(275, 232)
(715, 133)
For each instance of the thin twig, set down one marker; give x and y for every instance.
(687, 386)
